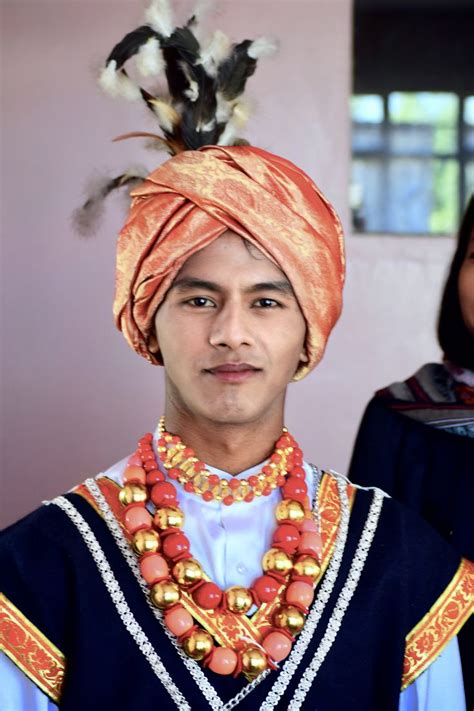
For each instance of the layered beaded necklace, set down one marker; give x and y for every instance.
(290, 566)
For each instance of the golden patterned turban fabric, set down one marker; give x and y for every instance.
(196, 196)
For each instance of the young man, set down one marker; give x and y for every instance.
(184, 576)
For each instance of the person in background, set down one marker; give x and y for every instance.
(416, 437)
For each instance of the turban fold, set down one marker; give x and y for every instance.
(196, 196)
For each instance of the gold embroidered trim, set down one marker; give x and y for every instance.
(443, 621)
(30, 650)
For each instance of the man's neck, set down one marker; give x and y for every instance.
(231, 448)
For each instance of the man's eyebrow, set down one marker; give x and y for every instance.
(283, 287)
(192, 283)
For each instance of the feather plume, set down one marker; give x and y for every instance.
(160, 17)
(168, 117)
(217, 50)
(150, 60)
(262, 47)
(192, 92)
(86, 220)
(238, 119)
(117, 84)
(130, 45)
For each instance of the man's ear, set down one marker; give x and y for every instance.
(153, 346)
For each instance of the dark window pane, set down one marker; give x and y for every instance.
(419, 139)
(367, 108)
(367, 137)
(406, 195)
(436, 109)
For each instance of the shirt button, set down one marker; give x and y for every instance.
(241, 568)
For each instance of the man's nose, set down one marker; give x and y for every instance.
(231, 328)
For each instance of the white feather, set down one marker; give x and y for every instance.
(149, 59)
(217, 50)
(160, 17)
(193, 91)
(167, 115)
(263, 47)
(239, 118)
(223, 108)
(117, 85)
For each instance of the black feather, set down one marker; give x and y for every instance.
(130, 44)
(235, 70)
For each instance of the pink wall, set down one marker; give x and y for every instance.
(75, 397)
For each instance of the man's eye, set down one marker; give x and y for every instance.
(267, 303)
(200, 302)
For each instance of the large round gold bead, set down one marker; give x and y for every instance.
(132, 494)
(198, 645)
(289, 618)
(254, 662)
(238, 599)
(169, 517)
(290, 510)
(146, 541)
(277, 560)
(308, 566)
(165, 594)
(187, 572)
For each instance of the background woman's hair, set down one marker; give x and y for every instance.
(456, 342)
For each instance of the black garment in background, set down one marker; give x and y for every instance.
(432, 472)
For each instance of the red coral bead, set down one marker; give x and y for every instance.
(253, 480)
(149, 465)
(208, 596)
(266, 588)
(295, 489)
(234, 483)
(164, 494)
(228, 500)
(287, 535)
(175, 544)
(153, 477)
(298, 472)
(267, 469)
(208, 496)
(189, 486)
(173, 473)
(188, 452)
(213, 480)
(275, 458)
(249, 497)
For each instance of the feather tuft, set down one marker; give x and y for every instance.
(149, 59)
(117, 84)
(217, 50)
(238, 119)
(86, 220)
(262, 47)
(168, 117)
(160, 17)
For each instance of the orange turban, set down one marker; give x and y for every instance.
(193, 198)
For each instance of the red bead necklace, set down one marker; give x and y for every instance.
(290, 566)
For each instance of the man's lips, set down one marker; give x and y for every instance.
(233, 372)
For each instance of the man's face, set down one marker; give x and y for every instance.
(231, 334)
(466, 286)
